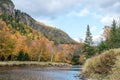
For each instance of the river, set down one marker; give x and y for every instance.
(36, 73)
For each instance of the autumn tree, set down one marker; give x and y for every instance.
(7, 44)
(52, 53)
(19, 41)
(104, 44)
(41, 50)
(106, 32)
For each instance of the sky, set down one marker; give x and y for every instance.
(73, 16)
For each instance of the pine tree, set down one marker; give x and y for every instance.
(88, 46)
(26, 57)
(21, 56)
(114, 38)
(88, 39)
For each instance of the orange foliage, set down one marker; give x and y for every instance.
(37, 48)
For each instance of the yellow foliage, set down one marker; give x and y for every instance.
(32, 42)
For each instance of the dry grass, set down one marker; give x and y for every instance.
(104, 66)
(115, 73)
(32, 63)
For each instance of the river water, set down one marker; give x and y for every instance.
(36, 73)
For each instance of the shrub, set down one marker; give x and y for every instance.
(23, 56)
(100, 66)
(2, 58)
(9, 57)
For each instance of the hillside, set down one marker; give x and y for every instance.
(24, 39)
(53, 34)
(105, 66)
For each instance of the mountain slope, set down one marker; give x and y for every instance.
(53, 34)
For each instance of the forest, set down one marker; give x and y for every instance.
(20, 42)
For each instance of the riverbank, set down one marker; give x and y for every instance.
(32, 63)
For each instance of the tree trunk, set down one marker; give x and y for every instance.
(39, 57)
(52, 56)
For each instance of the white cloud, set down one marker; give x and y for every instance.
(53, 8)
(83, 12)
(106, 20)
(47, 8)
(96, 15)
(97, 39)
(117, 4)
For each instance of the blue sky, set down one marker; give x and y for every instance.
(72, 16)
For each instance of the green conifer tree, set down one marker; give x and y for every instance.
(21, 56)
(88, 48)
(88, 39)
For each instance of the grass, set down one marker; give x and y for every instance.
(115, 73)
(105, 66)
(32, 63)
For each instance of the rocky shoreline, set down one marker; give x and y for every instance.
(84, 77)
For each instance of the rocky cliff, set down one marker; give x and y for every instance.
(53, 34)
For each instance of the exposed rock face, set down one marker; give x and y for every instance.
(7, 7)
(51, 33)
(23, 17)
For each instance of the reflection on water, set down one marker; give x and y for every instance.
(38, 73)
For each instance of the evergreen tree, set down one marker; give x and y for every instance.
(26, 57)
(88, 48)
(103, 46)
(114, 41)
(76, 56)
(114, 38)
(113, 35)
(88, 39)
(75, 59)
(21, 56)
